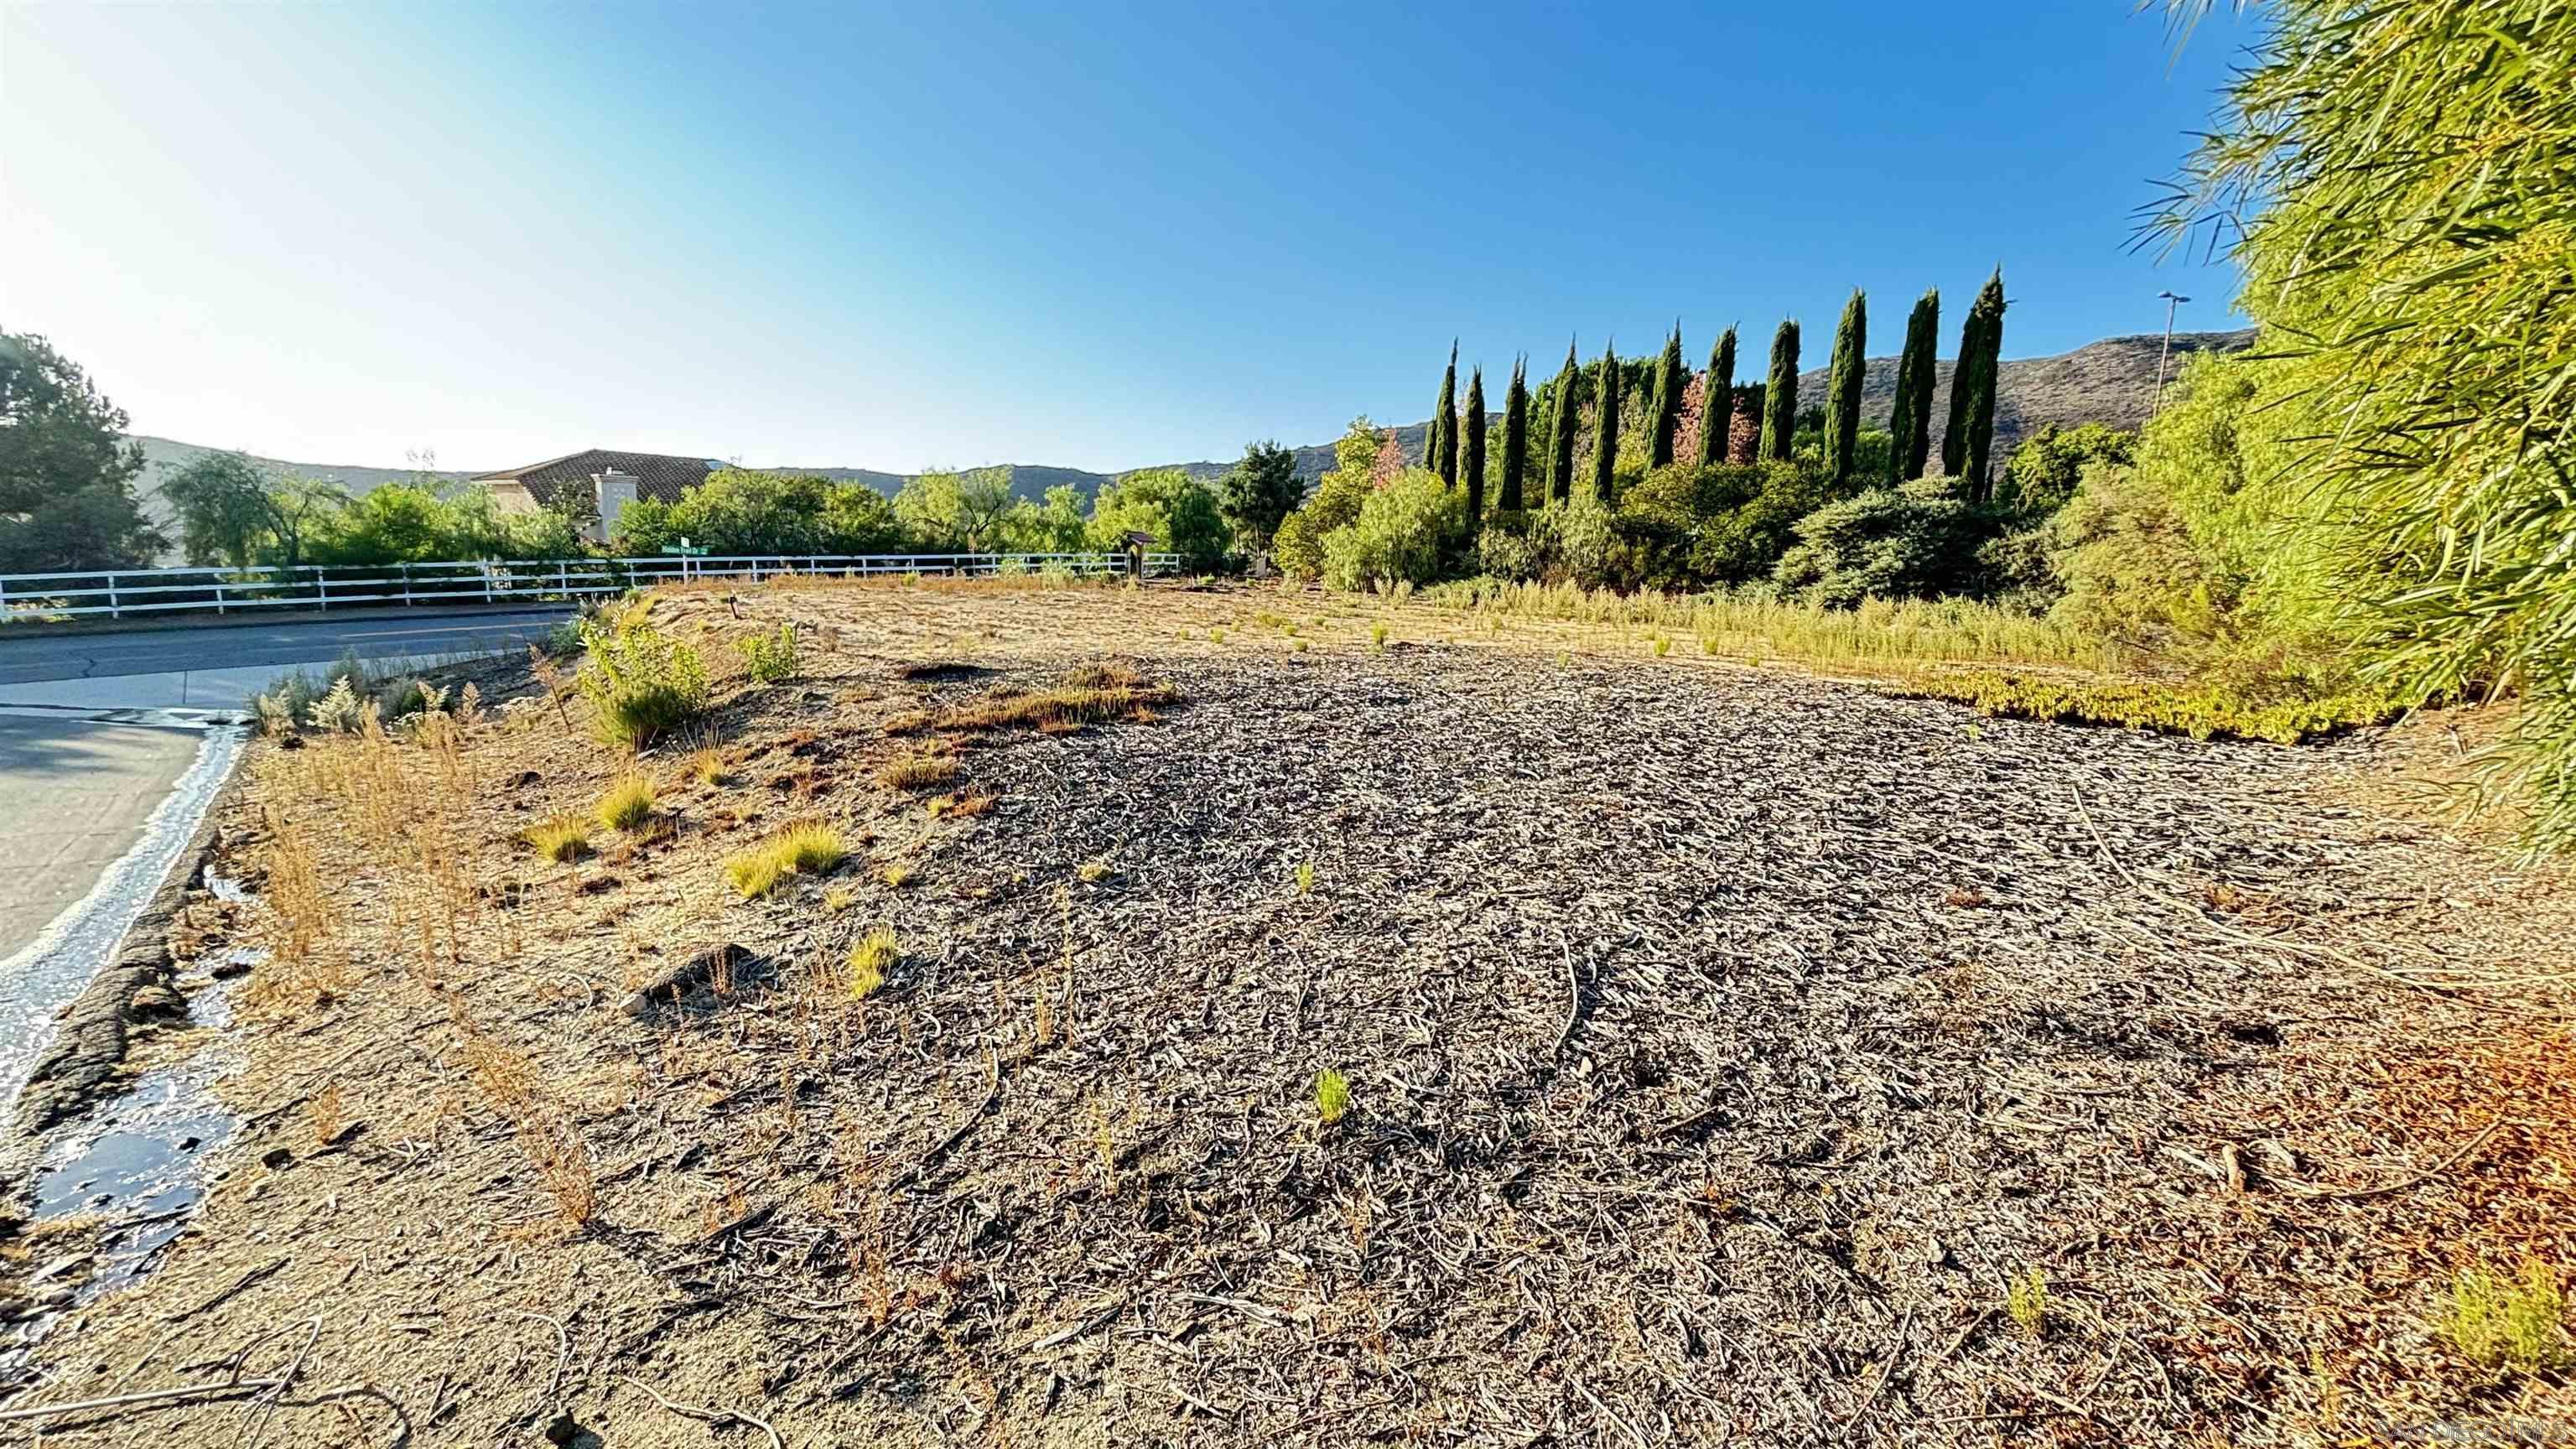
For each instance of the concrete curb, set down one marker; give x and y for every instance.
(258, 618)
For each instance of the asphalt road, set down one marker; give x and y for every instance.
(38, 658)
(74, 795)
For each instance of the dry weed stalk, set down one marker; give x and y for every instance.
(509, 1080)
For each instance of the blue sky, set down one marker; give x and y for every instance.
(895, 236)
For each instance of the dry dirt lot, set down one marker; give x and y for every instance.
(1733, 1057)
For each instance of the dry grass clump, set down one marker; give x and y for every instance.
(2517, 1323)
(1091, 694)
(563, 838)
(707, 766)
(870, 960)
(918, 772)
(808, 848)
(628, 803)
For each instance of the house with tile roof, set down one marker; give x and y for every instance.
(604, 479)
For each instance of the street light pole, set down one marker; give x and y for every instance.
(2171, 301)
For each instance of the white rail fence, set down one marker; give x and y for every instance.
(117, 593)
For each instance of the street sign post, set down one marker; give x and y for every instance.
(685, 550)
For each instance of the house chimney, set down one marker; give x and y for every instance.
(614, 491)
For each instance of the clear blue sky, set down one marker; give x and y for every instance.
(891, 236)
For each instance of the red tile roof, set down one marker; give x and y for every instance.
(658, 476)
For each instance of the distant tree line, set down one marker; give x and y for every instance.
(1641, 473)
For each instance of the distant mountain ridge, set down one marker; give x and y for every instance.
(2111, 381)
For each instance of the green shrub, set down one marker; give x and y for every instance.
(1403, 534)
(643, 684)
(1298, 545)
(1508, 548)
(772, 658)
(1692, 526)
(1177, 510)
(2046, 468)
(1888, 543)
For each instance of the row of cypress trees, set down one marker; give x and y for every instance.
(1966, 442)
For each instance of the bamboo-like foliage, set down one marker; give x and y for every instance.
(1780, 394)
(1471, 452)
(1605, 430)
(1671, 380)
(1717, 400)
(2399, 183)
(1842, 388)
(1910, 420)
(1515, 437)
(1560, 434)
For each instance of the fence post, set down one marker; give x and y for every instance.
(111, 598)
(219, 593)
(406, 578)
(563, 580)
(322, 588)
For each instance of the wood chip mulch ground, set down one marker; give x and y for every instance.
(1733, 1057)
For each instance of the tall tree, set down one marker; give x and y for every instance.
(232, 511)
(1780, 394)
(1471, 453)
(1911, 418)
(1560, 431)
(1605, 430)
(1842, 388)
(1671, 381)
(1440, 450)
(1258, 492)
(1717, 400)
(66, 472)
(1970, 435)
(1515, 436)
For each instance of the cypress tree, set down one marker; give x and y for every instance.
(1671, 380)
(1717, 400)
(1954, 432)
(1605, 430)
(1560, 435)
(1780, 394)
(1911, 419)
(1471, 454)
(1981, 399)
(1842, 388)
(1515, 436)
(1441, 448)
(1971, 431)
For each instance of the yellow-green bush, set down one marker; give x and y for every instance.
(809, 848)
